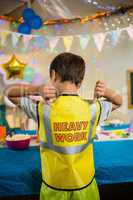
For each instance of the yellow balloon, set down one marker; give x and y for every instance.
(14, 68)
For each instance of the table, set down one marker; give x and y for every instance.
(114, 161)
(20, 171)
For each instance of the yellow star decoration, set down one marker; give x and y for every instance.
(14, 68)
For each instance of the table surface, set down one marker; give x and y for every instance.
(20, 171)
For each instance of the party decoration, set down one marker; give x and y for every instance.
(102, 6)
(26, 40)
(130, 31)
(68, 42)
(14, 68)
(109, 10)
(53, 42)
(1, 53)
(115, 35)
(3, 36)
(29, 74)
(38, 42)
(99, 40)
(35, 22)
(38, 79)
(84, 41)
(2, 22)
(15, 39)
(31, 21)
(28, 13)
(24, 28)
(49, 43)
(14, 26)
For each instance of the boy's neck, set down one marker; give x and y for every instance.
(67, 88)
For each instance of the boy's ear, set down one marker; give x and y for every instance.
(52, 75)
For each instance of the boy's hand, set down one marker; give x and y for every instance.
(48, 93)
(100, 89)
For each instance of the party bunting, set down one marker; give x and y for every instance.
(3, 37)
(15, 39)
(115, 35)
(26, 40)
(68, 42)
(130, 31)
(84, 39)
(99, 40)
(39, 42)
(50, 42)
(53, 42)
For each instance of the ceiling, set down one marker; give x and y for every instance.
(56, 9)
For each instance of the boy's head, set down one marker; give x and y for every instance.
(67, 67)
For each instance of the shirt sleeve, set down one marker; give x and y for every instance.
(29, 107)
(106, 109)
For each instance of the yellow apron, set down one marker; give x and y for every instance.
(66, 131)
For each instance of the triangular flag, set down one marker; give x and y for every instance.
(99, 40)
(39, 42)
(26, 40)
(115, 35)
(68, 42)
(53, 42)
(84, 39)
(130, 31)
(3, 36)
(15, 39)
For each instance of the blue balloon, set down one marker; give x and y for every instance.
(35, 22)
(24, 28)
(28, 13)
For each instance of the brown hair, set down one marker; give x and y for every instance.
(69, 67)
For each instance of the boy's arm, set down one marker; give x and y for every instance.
(15, 91)
(113, 97)
(108, 94)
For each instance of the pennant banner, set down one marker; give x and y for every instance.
(26, 40)
(3, 37)
(84, 40)
(15, 39)
(53, 42)
(68, 42)
(115, 35)
(39, 42)
(50, 42)
(99, 40)
(130, 31)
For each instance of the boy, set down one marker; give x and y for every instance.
(67, 128)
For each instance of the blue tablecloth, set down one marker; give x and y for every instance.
(114, 161)
(20, 171)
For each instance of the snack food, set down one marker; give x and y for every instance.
(18, 141)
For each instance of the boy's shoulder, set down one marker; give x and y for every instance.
(89, 101)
